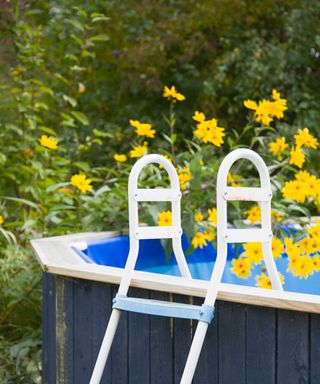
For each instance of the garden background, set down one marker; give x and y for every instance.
(78, 71)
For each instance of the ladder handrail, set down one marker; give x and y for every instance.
(134, 218)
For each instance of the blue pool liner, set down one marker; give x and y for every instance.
(113, 252)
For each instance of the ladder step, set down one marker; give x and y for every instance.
(249, 235)
(204, 312)
(246, 194)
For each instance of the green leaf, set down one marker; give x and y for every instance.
(99, 38)
(81, 117)
(73, 102)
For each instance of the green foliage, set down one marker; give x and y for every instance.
(77, 71)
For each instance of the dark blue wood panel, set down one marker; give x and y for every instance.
(314, 349)
(260, 345)
(232, 343)
(139, 341)
(48, 329)
(208, 365)
(83, 329)
(183, 330)
(119, 350)
(161, 345)
(293, 347)
(101, 311)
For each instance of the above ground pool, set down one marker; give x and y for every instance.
(113, 252)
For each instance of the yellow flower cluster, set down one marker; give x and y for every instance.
(208, 130)
(278, 147)
(241, 267)
(165, 218)
(304, 139)
(305, 185)
(303, 255)
(254, 214)
(253, 255)
(200, 239)
(185, 176)
(143, 129)
(81, 182)
(263, 281)
(172, 94)
(48, 142)
(266, 110)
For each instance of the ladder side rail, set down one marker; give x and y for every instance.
(222, 248)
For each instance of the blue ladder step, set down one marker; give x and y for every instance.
(164, 308)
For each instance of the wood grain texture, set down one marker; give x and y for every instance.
(314, 349)
(232, 343)
(293, 348)
(139, 342)
(260, 345)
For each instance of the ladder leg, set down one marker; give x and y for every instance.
(194, 353)
(105, 347)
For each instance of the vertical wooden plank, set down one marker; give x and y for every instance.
(232, 349)
(293, 356)
(183, 330)
(260, 344)
(208, 366)
(83, 360)
(314, 349)
(119, 350)
(48, 329)
(139, 343)
(101, 311)
(161, 345)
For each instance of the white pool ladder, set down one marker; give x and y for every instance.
(137, 233)
(205, 313)
(227, 235)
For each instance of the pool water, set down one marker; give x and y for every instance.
(113, 252)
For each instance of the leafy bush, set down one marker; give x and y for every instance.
(73, 75)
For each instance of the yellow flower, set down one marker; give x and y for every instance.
(305, 139)
(81, 182)
(253, 252)
(199, 117)
(295, 190)
(212, 215)
(314, 231)
(254, 214)
(278, 147)
(199, 240)
(185, 176)
(198, 217)
(303, 267)
(143, 129)
(171, 93)
(316, 263)
(81, 88)
(276, 215)
(231, 180)
(241, 267)
(139, 150)
(1, 220)
(165, 218)
(309, 182)
(291, 248)
(263, 281)
(48, 142)
(266, 110)
(119, 157)
(297, 157)
(277, 247)
(210, 235)
(209, 132)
